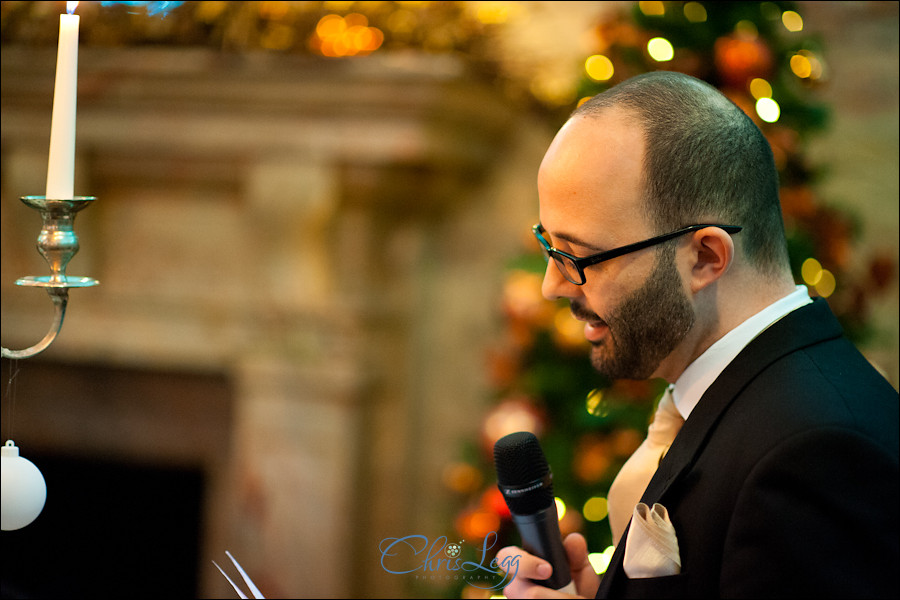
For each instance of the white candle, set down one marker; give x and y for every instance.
(61, 167)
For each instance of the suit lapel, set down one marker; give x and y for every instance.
(805, 326)
(801, 328)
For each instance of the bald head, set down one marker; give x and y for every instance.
(704, 161)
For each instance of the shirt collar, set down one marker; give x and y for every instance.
(700, 374)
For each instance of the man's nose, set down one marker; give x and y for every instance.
(556, 286)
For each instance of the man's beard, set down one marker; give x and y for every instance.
(646, 327)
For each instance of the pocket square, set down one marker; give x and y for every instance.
(651, 547)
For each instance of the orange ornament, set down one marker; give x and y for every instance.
(739, 59)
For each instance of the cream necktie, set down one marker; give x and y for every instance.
(629, 485)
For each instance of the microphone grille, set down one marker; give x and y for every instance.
(520, 461)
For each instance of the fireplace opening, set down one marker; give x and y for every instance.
(108, 529)
(134, 460)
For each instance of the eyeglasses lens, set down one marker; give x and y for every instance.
(568, 269)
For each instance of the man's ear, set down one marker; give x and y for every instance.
(712, 252)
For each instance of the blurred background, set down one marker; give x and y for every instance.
(319, 302)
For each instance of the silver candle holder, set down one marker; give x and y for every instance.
(57, 243)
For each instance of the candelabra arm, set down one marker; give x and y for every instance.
(57, 243)
(60, 297)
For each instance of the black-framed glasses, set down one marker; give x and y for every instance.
(573, 267)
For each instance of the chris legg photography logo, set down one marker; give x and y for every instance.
(442, 560)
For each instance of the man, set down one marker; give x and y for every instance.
(783, 479)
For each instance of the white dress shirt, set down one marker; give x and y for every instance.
(700, 374)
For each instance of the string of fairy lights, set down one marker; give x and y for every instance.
(343, 29)
(741, 50)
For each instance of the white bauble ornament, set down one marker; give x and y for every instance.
(23, 489)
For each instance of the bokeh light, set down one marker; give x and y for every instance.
(567, 330)
(476, 524)
(652, 9)
(811, 271)
(337, 36)
(801, 66)
(600, 560)
(599, 67)
(694, 12)
(792, 21)
(760, 88)
(560, 508)
(660, 49)
(806, 65)
(593, 458)
(768, 110)
(516, 414)
(595, 509)
(595, 404)
(492, 500)
(827, 284)
(523, 299)
(820, 279)
(461, 477)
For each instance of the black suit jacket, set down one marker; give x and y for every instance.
(784, 480)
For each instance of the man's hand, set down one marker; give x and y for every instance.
(531, 567)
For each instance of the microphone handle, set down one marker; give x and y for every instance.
(541, 537)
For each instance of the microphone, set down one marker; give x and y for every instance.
(525, 480)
